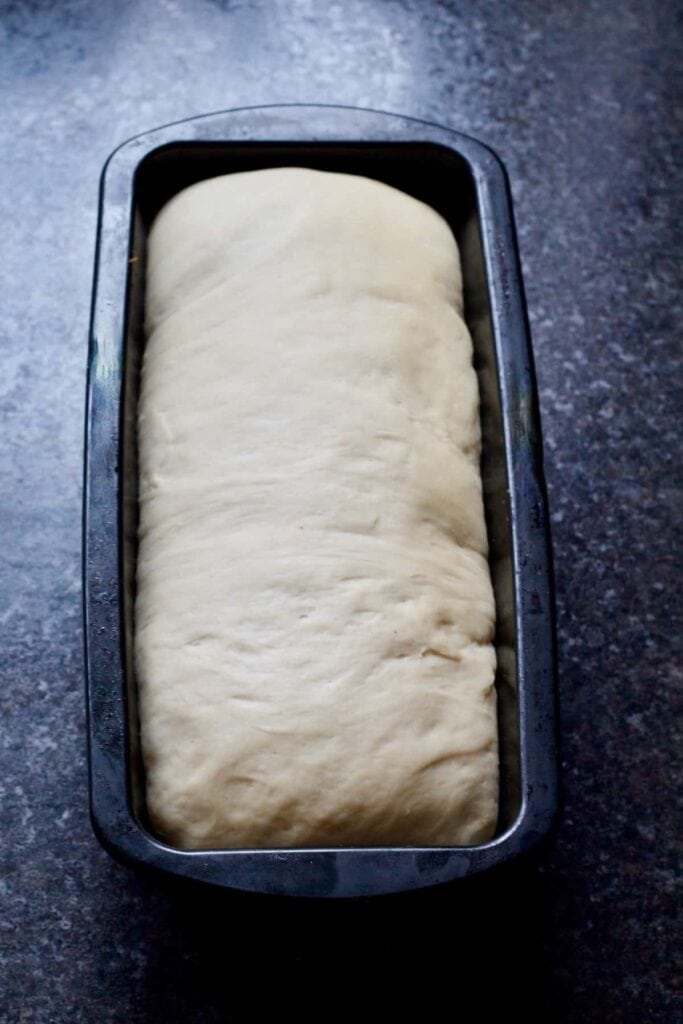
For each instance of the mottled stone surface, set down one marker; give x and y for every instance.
(582, 101)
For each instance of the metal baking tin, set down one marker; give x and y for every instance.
(466, 183)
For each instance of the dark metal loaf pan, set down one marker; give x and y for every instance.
(466, 183)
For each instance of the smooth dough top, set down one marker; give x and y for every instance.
(314, 612)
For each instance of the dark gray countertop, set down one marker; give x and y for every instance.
(582, 102)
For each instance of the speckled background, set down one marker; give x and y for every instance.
(582, 101)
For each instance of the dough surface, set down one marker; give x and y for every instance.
(314, 612)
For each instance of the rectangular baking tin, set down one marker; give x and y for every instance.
(466, 183)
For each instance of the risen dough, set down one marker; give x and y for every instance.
(314, 612)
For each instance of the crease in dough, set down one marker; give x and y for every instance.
(314, 611)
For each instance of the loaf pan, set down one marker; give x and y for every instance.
(466, 183)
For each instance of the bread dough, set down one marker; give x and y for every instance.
(314, 609)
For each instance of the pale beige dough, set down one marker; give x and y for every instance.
(314, 611)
